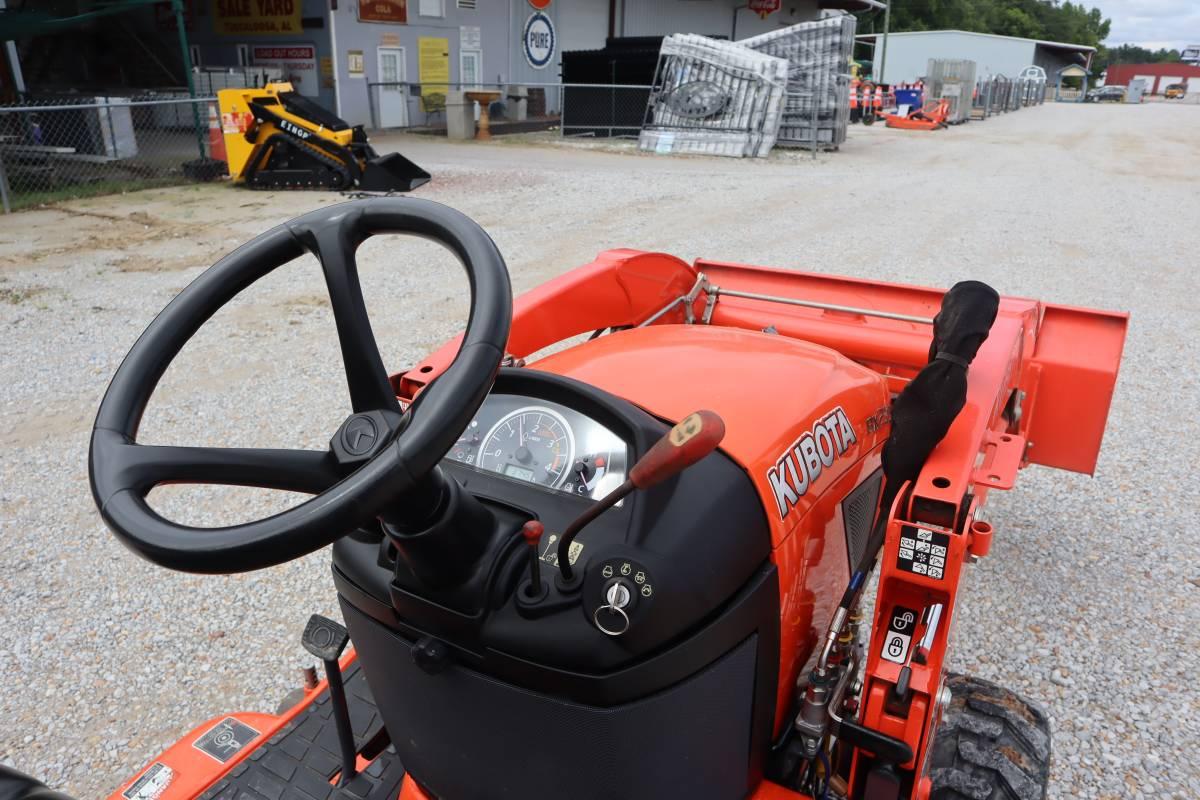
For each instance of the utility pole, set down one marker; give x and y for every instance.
(186, 56)
(887, 19)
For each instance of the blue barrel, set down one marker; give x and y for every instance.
(908, 97)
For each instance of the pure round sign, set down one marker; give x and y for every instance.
(539, 40)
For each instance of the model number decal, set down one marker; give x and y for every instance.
(802, 464)
(294, 129)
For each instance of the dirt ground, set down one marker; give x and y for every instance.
(110, 659)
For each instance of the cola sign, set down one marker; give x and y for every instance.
(764, 8)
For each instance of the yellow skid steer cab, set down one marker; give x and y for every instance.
(277, 139)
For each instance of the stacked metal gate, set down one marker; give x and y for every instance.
(817, 105)
(953, 80)
(713, 97)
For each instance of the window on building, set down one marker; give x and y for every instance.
(243, 55)
(432, 8)
(467, 4)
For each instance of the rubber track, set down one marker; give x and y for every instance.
(259, 181)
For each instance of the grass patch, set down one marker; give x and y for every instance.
(16, 295)
(79, 191)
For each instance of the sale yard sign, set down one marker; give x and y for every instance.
(256, 17)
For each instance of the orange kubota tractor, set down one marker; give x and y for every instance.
(632, 568)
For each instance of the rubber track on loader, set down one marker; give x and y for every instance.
(298, 762)
(261, 180)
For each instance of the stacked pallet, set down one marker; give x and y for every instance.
(713, 97)
(817, 105)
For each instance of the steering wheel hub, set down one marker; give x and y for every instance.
(363, 435)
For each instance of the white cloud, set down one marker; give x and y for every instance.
(1151, 23)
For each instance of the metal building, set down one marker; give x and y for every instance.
(1157, 76)
(908, 53)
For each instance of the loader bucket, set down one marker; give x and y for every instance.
(392, 173)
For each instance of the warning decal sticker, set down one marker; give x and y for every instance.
(550, 551)
(152, 783)
(923, 552)
(223, 741)
(899, 635)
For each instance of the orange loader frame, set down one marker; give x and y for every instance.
(1039, 392)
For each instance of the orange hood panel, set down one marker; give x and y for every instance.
(797, 415)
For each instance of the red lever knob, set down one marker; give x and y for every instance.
(532, 531)
(694, 437)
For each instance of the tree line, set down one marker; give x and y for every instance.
(1031, 19)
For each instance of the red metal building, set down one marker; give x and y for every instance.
(1158, 76)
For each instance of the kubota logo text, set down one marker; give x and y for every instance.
(801, 466)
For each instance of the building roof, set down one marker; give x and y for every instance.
(1043, 42)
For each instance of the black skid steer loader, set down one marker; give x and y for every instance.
(276, 138)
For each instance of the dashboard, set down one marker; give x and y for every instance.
(544, 443)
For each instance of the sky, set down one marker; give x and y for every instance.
(1151, 23)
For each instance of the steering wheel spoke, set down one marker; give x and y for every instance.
(139, 468)
(334, 242)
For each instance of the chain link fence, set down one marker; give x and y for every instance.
(68, 147)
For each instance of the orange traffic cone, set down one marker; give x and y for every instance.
(216, 137)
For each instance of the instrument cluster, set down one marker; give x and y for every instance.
(545, 443)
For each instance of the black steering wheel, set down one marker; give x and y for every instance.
(377, 455)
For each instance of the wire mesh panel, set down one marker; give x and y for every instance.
(603, 110)
(817, 107)
(714, 98)
(953, 80)
(73, 147)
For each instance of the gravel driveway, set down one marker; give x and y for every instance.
(1089, 603)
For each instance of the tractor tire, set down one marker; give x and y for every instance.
(991, 745)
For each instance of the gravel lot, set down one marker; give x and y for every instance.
(1088, 602)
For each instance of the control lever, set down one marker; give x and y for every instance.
(532, 533)
(694, 437)
(326, 640)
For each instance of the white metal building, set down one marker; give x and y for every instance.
(908, 53)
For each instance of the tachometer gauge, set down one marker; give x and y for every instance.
(531, 444)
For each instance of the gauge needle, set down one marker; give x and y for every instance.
(520, 432)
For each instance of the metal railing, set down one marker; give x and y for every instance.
(67, 147)
(575, 109)
(998, 94)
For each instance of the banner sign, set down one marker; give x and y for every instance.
(298, 63)
(395, 11)
(433, 65)
(256, 17)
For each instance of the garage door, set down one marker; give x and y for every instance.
(1193, 85)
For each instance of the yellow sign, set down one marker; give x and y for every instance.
(256, 17)
(433, 65)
